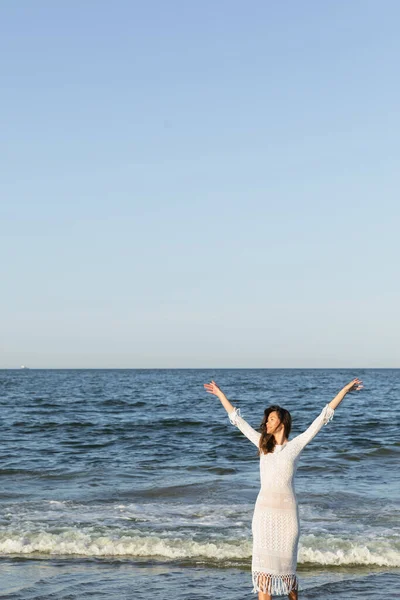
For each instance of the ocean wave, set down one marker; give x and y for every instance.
(331, 550)
(324, 550)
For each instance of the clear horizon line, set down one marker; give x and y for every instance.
(184, 368)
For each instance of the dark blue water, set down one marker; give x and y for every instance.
(133, 483)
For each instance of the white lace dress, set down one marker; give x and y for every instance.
(275, 525)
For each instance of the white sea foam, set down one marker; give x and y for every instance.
(174, 515)
(322, 550)
(333, 550)
(176, 531)
(75, 542)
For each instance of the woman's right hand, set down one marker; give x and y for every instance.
(212, 388)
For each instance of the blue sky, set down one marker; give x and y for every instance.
(199, 184)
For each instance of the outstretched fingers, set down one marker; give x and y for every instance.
(356, 384)
(212, 388)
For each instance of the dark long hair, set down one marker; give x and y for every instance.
(267, 441)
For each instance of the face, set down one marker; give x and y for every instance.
(273, 422)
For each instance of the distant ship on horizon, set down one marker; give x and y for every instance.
(24, 367)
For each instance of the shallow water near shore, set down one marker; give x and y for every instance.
(133, 483)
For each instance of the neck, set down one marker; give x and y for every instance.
(280, 439)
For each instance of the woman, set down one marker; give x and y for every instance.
(275, 525)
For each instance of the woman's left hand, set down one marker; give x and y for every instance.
(356, 384)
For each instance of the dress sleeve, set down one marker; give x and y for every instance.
(237, 420)
(301, 441)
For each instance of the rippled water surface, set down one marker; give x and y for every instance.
(130, 483)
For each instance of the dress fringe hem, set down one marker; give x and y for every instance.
(274, 584)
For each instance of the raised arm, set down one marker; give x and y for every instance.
(251, 434)
(326, 415)
(234, 414)
(300, 441)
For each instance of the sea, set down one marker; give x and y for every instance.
(133, 484)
